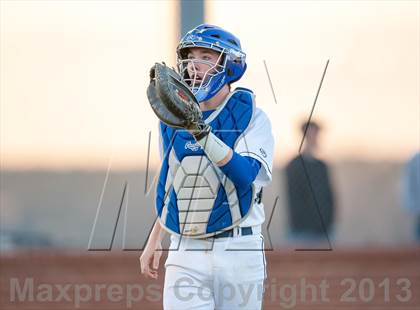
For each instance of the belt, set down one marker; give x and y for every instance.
(244, 231)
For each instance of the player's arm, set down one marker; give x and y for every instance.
(149, 260)
(241, 170)
(243, 165)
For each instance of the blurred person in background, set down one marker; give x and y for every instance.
(411, 190)
(310, 194)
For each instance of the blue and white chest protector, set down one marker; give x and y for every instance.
(194, 197)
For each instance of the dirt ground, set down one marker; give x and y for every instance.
(339, 279)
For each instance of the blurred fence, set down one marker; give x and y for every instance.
(57, 209)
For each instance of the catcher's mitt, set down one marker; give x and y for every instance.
(173, 102)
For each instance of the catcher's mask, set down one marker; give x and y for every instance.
(229, 67)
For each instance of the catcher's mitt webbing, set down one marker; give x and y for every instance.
(161, 110)
(173, 102)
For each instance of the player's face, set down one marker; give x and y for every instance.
(202, 64)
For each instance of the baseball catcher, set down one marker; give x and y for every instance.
(217, 154)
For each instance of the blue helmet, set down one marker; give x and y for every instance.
(229, 68)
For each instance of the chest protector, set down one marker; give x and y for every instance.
(194, 198)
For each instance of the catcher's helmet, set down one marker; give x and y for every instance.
(231, 64)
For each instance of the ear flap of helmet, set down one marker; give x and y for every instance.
(235, 69)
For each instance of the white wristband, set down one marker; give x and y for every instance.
(215, 149)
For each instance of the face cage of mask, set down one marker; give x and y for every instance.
(205, 77)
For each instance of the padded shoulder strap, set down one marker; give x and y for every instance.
(243, 89)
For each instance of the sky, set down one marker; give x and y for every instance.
(74, 77)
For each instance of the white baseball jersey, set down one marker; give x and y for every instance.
(257, 142)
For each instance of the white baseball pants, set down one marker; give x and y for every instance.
(225, 273)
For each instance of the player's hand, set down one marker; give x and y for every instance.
(149, 260)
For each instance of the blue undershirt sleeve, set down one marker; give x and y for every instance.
(241, 170)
